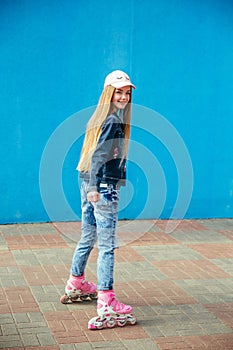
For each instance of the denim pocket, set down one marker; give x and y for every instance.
(108, 195)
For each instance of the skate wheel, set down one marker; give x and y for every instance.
(94, 296)
(111, 323)
(64, 299)
(84, 297)
(74, 299)
(99, 324)
(121, 323)
(132, 321)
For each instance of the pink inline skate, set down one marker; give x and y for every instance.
(78, 288)
(111, 312)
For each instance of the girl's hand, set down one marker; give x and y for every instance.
(93, 196)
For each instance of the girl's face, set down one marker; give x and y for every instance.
(121, 97)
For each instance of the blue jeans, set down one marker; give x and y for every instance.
(99, 221)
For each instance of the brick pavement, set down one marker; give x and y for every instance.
(176, 275)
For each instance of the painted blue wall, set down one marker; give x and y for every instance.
(54, 56)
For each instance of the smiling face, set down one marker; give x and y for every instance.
(121, 97)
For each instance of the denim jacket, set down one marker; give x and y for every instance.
(107, 165)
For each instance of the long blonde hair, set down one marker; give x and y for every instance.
(93, 130)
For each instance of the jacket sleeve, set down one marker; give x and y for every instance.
(102, 152)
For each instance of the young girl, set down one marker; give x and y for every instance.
(102, 169)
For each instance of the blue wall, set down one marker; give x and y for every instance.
(54, 56)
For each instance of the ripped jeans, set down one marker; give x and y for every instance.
(99, 221)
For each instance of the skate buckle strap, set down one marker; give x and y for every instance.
(73, 288)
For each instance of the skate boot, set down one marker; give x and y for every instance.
(78, 288)
(111, 312)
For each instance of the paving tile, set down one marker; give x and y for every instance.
(179, 283)
(35, 242)
(20, 299)
(106, 345)
(6, 318)
(131, 332)
(137, 271)
(210, 342)
(4, 305)
(26, 257)
(141, 226)
(27, 229)
(133, 230)
(70, 231)
(7, 259)
(9, 329)
(3, 245)
(125, 254)
(190, 269)
(24, 330)
(217, 224)
(35, 335)
(170, 226)
(183, 320)
(208, 236)
(11, 341)
(44, 257)
(11, 277)
(222, 311)
(208, 291)
(36, 275)
(55, 256)
(34, 330)
(45, 275)
(82, 346)
(154, 238)
(214, 250)
(66, 328)
(67, 228)
(227, 233)
(45, 293)
(168, 252)
(224, 264)
(50, 347)
(152, 293)
(143, 344)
